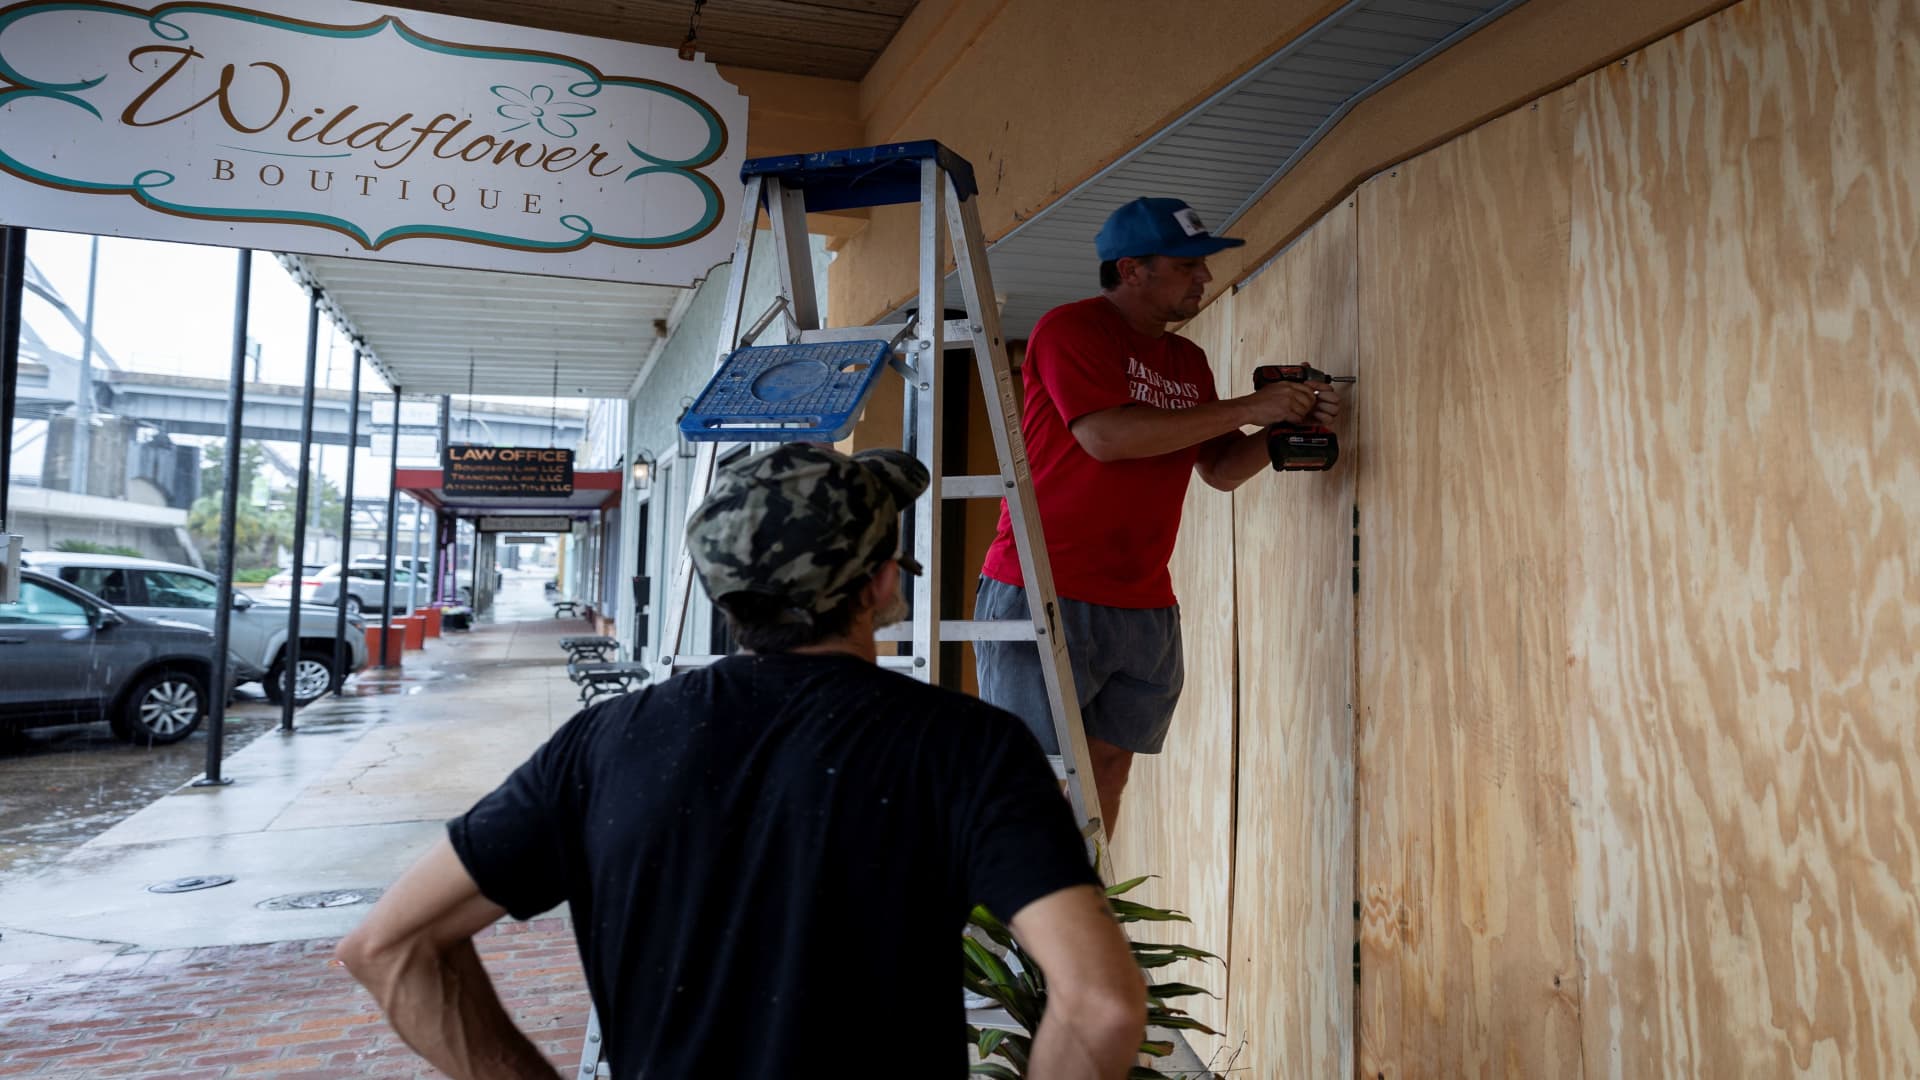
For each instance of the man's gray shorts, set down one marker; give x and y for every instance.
(1127, 668)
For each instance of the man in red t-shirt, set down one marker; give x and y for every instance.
(1119, 414)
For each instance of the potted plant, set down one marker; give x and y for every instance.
(1023, 993)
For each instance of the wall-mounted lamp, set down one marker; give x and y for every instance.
(642, 470)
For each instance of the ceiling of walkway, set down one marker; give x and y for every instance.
(433, 330)
(835, 39)
(437, 330)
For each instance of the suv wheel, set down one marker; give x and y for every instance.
(353, 606)
(312, 677)
(163, 707)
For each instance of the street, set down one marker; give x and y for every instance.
(60, 786)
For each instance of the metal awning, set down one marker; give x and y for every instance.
(437, 330)
(1225, 154)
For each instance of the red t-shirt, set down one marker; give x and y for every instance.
(1110, 526)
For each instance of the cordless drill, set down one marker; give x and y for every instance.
(1299, 447)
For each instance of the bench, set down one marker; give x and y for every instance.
(607, 678)
(566, 607)
(589, 647)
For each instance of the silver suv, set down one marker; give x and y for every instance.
(257, 632)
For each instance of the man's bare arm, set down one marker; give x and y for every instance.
(1141, 431)
(1096, 999)
(415, 954)
(1231, 460)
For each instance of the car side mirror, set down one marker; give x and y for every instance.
(241, 601)
(107, 619)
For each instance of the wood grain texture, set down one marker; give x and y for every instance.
(834, 40)
(1176, 821)
(1745, 600)
(1465, 851)
(1292, 978)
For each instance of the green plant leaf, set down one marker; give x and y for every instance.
(1166, 990)
(1178, 1023)
(992, 927)
(1128, 911)
(1141, 1072)
(1129, 886)
(993, 1069)
(1187, 952)
(990, 967)
(1154, 960)
(988, 1041)
(1157, 1049)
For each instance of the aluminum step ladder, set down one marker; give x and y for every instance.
(812, 388)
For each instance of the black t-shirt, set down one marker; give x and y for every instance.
(770, 862)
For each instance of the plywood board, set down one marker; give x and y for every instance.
(1291, 1005)
(1465, 854)
(1745, 619)
(1176, 820)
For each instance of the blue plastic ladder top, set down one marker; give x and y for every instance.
(787, 393)
(863, 176)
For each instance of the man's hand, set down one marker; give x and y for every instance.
(1291, 403)
(1231, 460)
(1096, 999)
(415, 954)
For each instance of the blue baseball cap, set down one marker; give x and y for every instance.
(1157, 227)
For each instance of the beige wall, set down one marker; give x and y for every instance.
(1627, 785)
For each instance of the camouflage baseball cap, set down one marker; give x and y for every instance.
(804, 523)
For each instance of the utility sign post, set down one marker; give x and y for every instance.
(510, 471)
(335, 128)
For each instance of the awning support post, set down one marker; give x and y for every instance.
(229, 503)
(302, 489)
(393, 500)
(346, 528)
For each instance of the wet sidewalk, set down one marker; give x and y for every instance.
(101, 977)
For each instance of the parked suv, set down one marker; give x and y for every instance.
(69, 657)
(366, 588)
(257, 631)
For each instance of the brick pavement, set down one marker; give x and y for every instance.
(284, 1011)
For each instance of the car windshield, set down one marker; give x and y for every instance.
(41, 606)
(174, 589)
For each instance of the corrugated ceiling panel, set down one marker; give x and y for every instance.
(1233, 148)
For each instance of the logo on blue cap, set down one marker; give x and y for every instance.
(1157, 227)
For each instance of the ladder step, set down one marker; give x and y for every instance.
(955, 630)
(787, 393)
(879, 332)
(862, 176)
(974, 487)
(691, 661)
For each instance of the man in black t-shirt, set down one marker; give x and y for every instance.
(769, 861)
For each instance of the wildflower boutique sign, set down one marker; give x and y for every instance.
(334, 128)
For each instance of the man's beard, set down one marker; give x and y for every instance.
(893, 611)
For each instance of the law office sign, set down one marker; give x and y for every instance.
(328, 127)
(520, 471)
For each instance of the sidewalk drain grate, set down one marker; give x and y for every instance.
(191, 884)
(310, 901)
